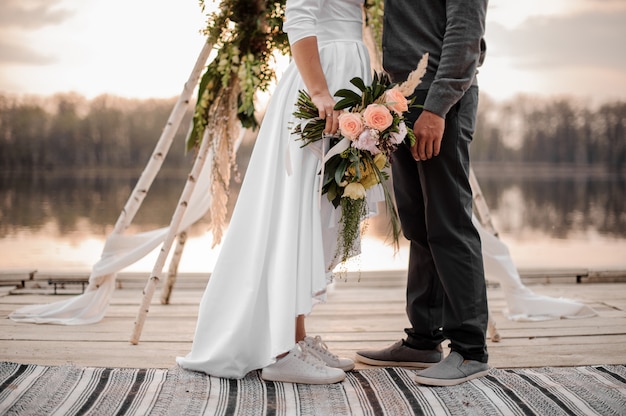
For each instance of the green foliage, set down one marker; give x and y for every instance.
(369, 93)
(352, 211)
(245, 33)
(374, 11)
(311, 129)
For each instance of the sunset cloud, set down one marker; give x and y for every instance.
(145, 48)
(556, 47)
(15, 53)
(590, 39)
(32, 14)
(19, 18)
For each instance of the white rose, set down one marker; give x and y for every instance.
(398, 137)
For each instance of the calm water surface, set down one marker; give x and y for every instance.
(60, 222)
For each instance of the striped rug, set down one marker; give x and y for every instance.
(27, 389)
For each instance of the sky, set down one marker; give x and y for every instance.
(147, 48)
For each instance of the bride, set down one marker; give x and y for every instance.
(278, 255)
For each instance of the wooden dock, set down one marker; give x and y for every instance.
(362, 312)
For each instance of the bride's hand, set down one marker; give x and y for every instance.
(325, 105)
(306, 55)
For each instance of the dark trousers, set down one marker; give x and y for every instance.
(446, 293)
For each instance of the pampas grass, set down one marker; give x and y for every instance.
(415, 77)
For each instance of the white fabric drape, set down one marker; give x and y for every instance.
(523, 304)
(119, 251)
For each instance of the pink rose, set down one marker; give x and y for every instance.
(367, 140)
(350, 125)
(377, 117)
(396, 101)
(397, 137)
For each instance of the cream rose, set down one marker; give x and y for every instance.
(377, 117)
(396, 101)
(354, 190)
(350, 125)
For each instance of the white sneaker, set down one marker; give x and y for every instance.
(300, 366)
(320, 350)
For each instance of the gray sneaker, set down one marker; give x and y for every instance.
(453, 370)
(399, 355)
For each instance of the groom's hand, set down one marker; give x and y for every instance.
(428, 129)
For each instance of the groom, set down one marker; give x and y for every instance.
(446, 294)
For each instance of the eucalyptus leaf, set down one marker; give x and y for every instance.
(341, 170)
(332, 192)
(358, 82)
(347, 93)
(345, 103)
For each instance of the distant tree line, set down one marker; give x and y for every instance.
(555, 131)
(69, 131)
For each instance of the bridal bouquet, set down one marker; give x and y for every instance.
(371, 126)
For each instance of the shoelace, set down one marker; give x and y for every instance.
(321, 346)
(309, 358)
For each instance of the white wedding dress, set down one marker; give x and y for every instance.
(279, 249)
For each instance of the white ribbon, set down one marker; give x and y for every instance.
(335, 150)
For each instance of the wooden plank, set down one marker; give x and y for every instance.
(96, 354)
(6, 290)
(44, 275)
(347, 328)
(162, 355)
(543, 272)
(120, 297)
(356, 316)
(351, 276)
(16, 277)
(113, 330)
(58, 283)
(605, 276)
(20, 273)
(552, 276)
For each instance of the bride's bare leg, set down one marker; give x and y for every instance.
(300, 330)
